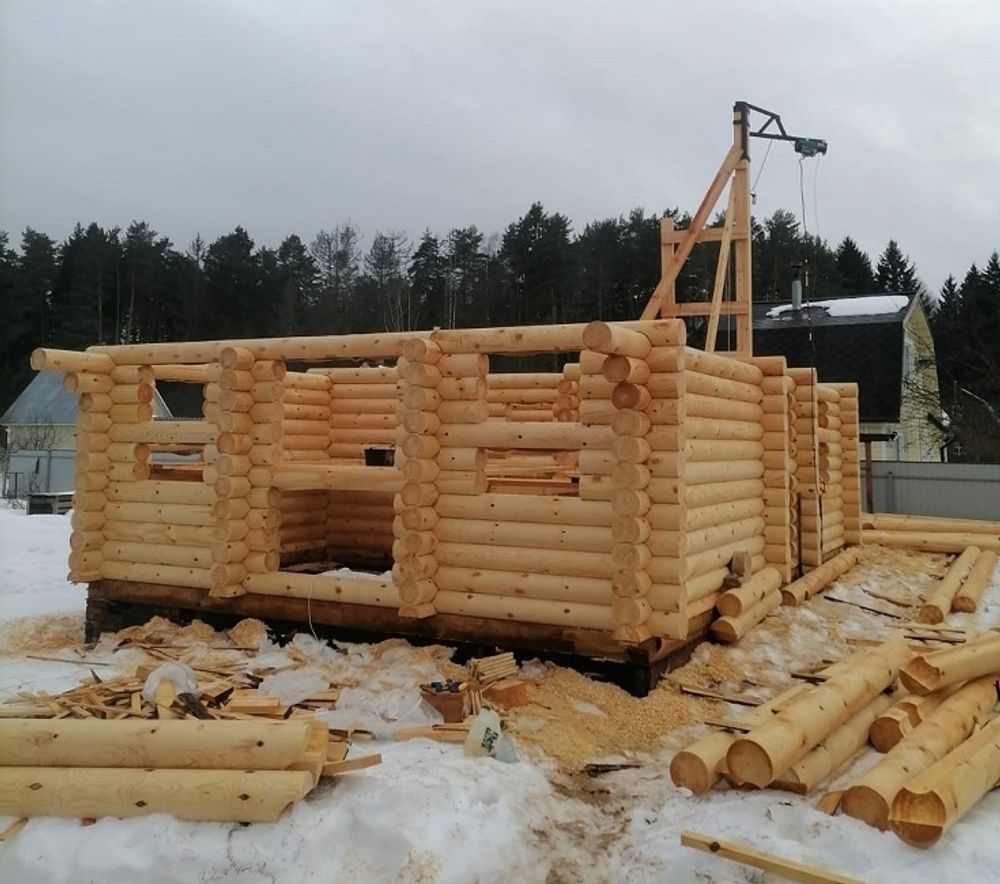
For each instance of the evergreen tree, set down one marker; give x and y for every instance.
(777, 247)
(854, 269)
(427, 281)
(232, 273)
(464, 269)
(895, 272)
(536, 252)
(295, 285)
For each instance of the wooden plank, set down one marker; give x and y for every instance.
(720, 271)
(698, 221)
(789, 869)
(336, 768)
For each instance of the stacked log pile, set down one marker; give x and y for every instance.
(930, 533)
(938, 730)
(194, 770)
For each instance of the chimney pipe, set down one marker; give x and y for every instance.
(797, 287)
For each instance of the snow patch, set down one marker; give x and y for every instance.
(869, 305)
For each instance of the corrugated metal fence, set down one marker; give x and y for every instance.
(950, 490)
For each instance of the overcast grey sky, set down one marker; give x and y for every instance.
(288, 117)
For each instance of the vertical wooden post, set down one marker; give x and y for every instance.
(743, 266)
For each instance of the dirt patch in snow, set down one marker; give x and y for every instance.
(25, 635)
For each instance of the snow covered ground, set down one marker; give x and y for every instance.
(428, 813)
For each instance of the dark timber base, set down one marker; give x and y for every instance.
(115, 604)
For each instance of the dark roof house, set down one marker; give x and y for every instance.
(846, 339)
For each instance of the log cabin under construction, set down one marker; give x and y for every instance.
(599, 510)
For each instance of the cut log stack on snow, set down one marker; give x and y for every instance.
(934, 800)
(967, 598)
(819, 578)
(244, 771)
(938, 604)
(850, 460)
(769, 751)
(781, 513)
(745, 606)
(801, 737)
(945, 726)
(930, 533)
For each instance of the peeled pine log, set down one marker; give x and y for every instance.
(765, 753)
(159, 744)
(731, 629)
(942, 542)
(939, 669)
(219, 795)
(526, 610)
(871, 797)
(899, 721)
(929, 524)
(702, 764)
(938, 605)
(806, 587)
(835, 751)
(967, 598)
(320, 587)
(734, 602)
(935, 800)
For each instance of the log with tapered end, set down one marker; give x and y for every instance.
(734, 602)
(803, 588)
(835, 751)
(938, 604)
(768, 751)
(220, 795)
(932, 802)
(701, 765)
(731, 629)
(931, 672)
(871, 797)
(967, 598)
(899, 721)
